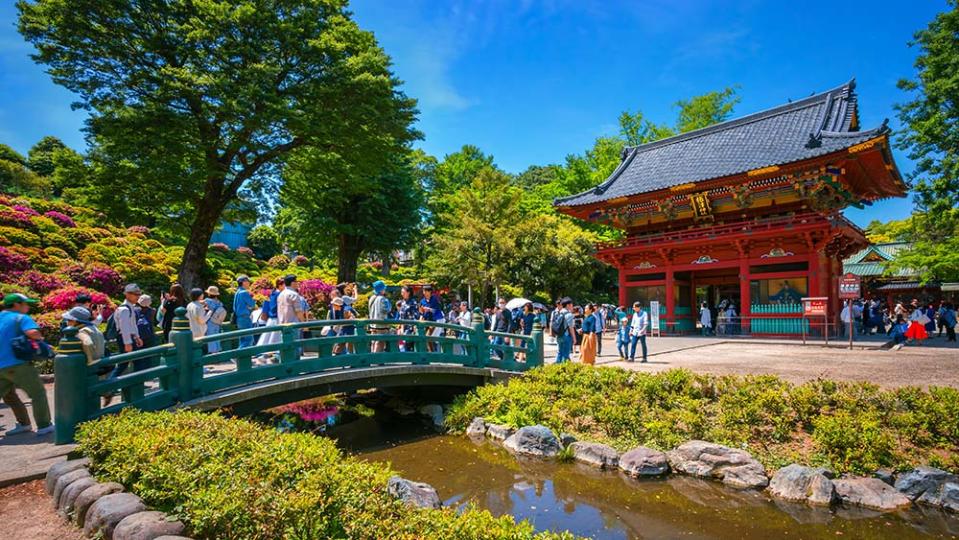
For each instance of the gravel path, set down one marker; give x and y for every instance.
(26, 513)
(935, 364)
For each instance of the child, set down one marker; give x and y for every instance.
(622, 338)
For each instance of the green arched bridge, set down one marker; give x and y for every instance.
(309, 360)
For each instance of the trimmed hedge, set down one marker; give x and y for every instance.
(233, 479)
(850, 427)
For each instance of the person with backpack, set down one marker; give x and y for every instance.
(563, 328)
(18, 334)
(91, 339)
(146, 321)
(217, 317)
(243, 306)
(379, 309)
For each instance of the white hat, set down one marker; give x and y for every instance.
(145, 300)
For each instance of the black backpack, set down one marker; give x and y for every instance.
(558, 325)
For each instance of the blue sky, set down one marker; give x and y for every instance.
(531, 81)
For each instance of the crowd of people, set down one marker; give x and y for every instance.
(912, 322)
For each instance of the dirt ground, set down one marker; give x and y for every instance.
(27, 513)
(934, 365)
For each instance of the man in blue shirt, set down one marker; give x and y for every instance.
(433, 311)
(243, 306)
(15, 373)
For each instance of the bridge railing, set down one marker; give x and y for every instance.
(185, 369)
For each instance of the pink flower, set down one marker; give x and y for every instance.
(40, 282)
(63, 299)
(139, 229)
(12, 218)
(245, 251)
(316, 291)
(300, 260)
(61, 219)
(25, 210)
(12, 263)
(219, 246)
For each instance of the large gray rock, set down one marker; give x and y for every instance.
(536, 441)
(87, 497)
(148, 525)
(64, 481)
(477, 428)
(59, 469)
(804, 484)
(886, 475)
(413, 493)
(566, 439)
(499, 432)
(105, 514)
(642, 461)
(595, 454)
(70, 494)
(709, 460)
(926, 485)
(950, 496)
(870, 493)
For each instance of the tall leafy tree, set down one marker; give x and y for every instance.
(932, 140)
(41, 155)
(329, 210)
(194, 102)
(706, 109)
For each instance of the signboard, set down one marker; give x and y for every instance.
(849, 287)
(814, 307)
(700, 204)
(654, 317)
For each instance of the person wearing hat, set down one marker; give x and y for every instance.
(91, 339)
(125, 318)
(15, 373)
(243, 306)
(217, 316)
(379, 310)
(146, 320)
(289, 309)
(197, 314)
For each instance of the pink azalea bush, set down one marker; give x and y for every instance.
(139, 229)
(316, 291)
(63, 299)
(12, 218)
(219, 246)
(12, 263)
(245, 251)
(301, 260)
(26, 210)
(40, 282)
(98, 277)
(61, 219)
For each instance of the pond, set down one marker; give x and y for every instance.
(594, 503)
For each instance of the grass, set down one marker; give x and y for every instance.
(849, 427)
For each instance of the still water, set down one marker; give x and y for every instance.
(607, 505)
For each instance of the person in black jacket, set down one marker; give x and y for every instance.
(503, 321)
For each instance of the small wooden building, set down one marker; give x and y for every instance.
(748, 211)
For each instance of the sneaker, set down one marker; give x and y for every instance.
(20, 428)
(45, 431)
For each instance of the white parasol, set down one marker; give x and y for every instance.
(517, 303)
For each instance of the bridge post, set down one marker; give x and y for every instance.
(182, 339)
(287, 347)
(70, 390)
(481, 353)
(537, 355)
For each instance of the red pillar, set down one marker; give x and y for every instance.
(744, 294)
(670, 301)
(622, 286)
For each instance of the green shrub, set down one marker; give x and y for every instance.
(232, 479)
(847, 426)
(13, 236)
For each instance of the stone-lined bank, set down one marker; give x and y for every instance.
(885, 492)
(105, 510)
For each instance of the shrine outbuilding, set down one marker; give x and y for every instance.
(747, 211)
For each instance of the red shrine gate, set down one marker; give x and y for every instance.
(746, 212)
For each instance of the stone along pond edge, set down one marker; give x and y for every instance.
(886, 491)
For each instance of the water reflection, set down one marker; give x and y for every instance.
(608, 505)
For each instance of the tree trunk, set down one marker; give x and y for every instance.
(347, 253)
(387, 261)
(194, 255)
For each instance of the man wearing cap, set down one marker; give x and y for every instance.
(379, 310)
(15, 373)
(125, 318)
(243, 306)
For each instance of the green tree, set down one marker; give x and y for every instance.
(40, 158)
(899, 230)
(194, 102)
(479, 250)
(553, 257)
(264, 242)
(931, 117)
(327, 210)
(11, 155)
(706, 109)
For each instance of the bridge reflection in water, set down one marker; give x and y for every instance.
(307, 364)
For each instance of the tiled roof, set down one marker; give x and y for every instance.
(810, 127)
(857, 264)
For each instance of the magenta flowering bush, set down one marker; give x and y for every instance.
(61, 219)
(12, 218)
(12, 263)
(300, 260)
(40, 282)
(26, 210)
(245, 251)
(63, 299)
(140, 229)
(101, 278)
(316, 291)
(219, 246)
